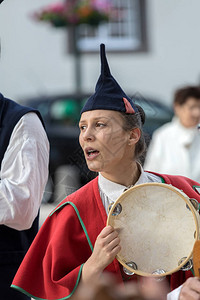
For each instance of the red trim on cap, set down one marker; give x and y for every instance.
(129, 108)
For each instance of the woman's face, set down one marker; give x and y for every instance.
(189, 112)
(106, 145)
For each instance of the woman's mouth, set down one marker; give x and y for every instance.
(91, 153)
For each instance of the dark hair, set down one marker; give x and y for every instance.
(137, 121)
(181, 95)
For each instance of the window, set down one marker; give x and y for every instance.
(125, 33)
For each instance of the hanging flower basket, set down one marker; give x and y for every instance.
(75, 12)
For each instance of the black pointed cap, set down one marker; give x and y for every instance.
(108, 94)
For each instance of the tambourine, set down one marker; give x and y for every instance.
(158, 225)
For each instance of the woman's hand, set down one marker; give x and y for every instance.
(190, 289)
(105, 249)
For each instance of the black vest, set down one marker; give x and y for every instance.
(13, 243)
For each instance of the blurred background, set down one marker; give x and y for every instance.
(152, 47)
(157, 50)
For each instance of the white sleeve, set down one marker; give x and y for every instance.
(24, 173)
(154, 156)
(174, 295)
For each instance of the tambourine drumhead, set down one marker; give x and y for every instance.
(157, 227)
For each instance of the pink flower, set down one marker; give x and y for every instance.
(76, 12)
(102, 5)
(55, 7)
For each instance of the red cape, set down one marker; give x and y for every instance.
(52, 267)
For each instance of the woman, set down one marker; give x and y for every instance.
(182, 133)
(74, 245)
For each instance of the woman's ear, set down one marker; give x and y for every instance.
(134, 136)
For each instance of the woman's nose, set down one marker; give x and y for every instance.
(88, 134)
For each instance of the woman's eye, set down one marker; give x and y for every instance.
(82, 127)
(100, 125)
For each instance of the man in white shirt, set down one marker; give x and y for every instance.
(24, 158)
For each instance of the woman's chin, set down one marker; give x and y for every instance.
(93, 167)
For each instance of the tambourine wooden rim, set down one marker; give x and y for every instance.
(111, 221)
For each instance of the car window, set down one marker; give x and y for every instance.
(157, 114)
(154, 109)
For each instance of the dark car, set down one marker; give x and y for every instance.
(157, 114)
(61, 115)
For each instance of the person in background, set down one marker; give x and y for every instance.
(107, 288)
(175, 146)
(24, 159)
(74, 245)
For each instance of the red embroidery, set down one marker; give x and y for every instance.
(129, 108)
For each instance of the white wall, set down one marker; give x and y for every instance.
(35, 61)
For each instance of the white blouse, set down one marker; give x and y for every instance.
(110, 191)
(24, 173)
(174, 150)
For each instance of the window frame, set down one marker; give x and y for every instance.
(134, 43)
